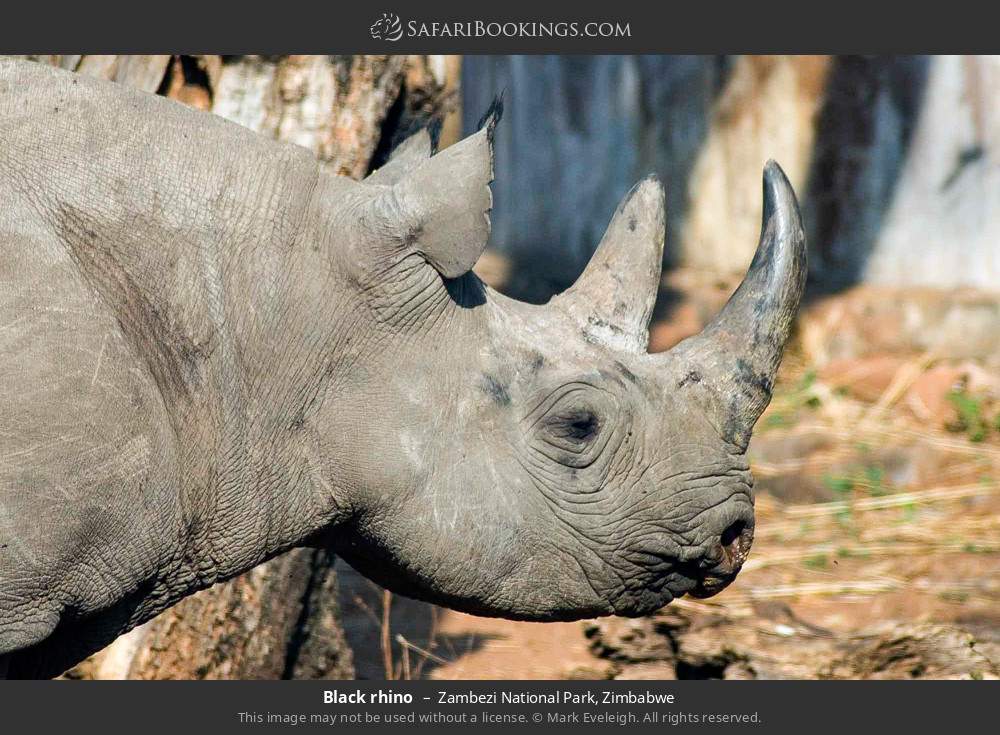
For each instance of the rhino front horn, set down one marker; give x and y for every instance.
(615, 294)
(739, 351)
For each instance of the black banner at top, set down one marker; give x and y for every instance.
(467, 27)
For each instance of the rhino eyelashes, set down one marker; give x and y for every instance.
(573, 435)
(576, 426)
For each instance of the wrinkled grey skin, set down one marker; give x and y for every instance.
(214, 350)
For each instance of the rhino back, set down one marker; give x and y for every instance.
(126, 221)
(175, 218)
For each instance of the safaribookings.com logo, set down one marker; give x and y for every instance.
(390, 28)
(387, 28)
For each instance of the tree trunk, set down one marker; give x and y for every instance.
(280, 619)
(943, 224)
(582, 130)
(894, 159)
(578, 132)
(766, 109)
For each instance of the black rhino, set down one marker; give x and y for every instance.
(213, 350)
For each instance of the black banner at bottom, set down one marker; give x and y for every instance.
(363, 706)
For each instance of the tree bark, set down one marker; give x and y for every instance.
(894, 160)
(766, 109)
(942, 226)
(280, 619)
(582, 130)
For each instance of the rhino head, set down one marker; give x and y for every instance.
(536, 462)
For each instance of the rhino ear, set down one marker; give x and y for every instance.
(407, 156)
(440, 207)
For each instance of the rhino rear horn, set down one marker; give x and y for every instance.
(615, 294)
(739, 351)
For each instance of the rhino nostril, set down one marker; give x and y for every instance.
(731, 534)
(735, 542)
(720, 567)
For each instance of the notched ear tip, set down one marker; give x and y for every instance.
(433, 129)
(492, 116)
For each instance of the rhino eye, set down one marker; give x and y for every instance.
(574, 426)
(573, 432)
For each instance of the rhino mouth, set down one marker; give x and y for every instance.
(711, 585)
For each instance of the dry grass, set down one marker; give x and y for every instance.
(405, 668)
(875, 540)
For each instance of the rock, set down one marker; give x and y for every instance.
(632, 640)
(905, 651)
(928, 399)
(794, 488)
(594, 673)
(774, 644)
(789, 448)
(649, 672)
